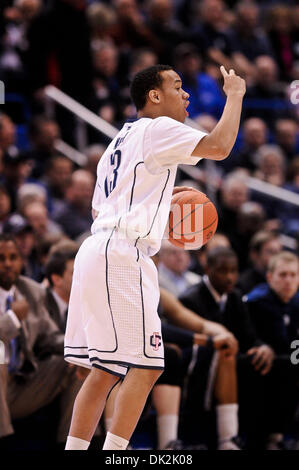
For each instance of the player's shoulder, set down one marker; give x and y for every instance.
(164, 124)
(166, 121)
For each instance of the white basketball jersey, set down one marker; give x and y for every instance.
(135, 179)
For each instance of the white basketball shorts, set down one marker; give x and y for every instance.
(113, 322)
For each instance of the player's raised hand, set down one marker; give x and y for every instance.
(233, 84)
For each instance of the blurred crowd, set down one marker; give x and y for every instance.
(244, 279)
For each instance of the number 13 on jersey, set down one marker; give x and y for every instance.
(110, 180)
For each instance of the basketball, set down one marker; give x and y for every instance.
(193, 220)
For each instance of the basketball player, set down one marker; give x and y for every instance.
(113, 326)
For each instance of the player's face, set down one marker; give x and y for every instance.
(174, 100)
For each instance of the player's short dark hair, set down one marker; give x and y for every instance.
(146, 80)
(220, 252)
(57, 263)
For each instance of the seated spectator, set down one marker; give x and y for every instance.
(233, 194)
(59, 272)
(203, 366)
(262, 247)
(173, 269)
(130, 28)
(34, 349)
(56, 178)
(75, 217)
(93, 154)
(271, 168)
(199, 261)
(8, 137)
(279, 28)
(100, 18)
(250, 219)
(15, 43)
(16, 172)
(105, 82)
(206, 122)
(266, 98)
(210, 32)
(37, 216)
(248, 40)
(205, 94)
(254, 132)
(216, 299)
(287, 136)
(165, 28)
(5, 206)
(274, 311)
(43, 133)
(30, 192)
(25, 239)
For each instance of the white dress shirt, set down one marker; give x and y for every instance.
(61, 304)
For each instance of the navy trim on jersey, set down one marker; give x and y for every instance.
(76, 347)
(108, 294)
(133, 184)
(83, 356)
(161, 197)
(141, 292)
(128, 364)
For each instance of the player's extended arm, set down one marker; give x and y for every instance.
(185, 318)
(218, 144)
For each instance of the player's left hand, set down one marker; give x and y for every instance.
(178, 189)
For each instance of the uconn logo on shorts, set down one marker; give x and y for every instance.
(155, 341)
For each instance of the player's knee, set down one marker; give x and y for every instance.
(102, 378)
(155, 374)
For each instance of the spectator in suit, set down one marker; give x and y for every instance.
(274, 310)
(263, 246)
(216, 299)
(59, 272)
(34, 348)
(173, 269)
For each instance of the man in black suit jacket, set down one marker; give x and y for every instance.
(59, 272)
(274, 310)
(33, 372)
(215, 299)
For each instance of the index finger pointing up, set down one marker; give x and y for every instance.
(223, 71)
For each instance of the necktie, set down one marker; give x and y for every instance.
(222, 305)
(14, 345)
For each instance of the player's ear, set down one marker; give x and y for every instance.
(154, 96)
